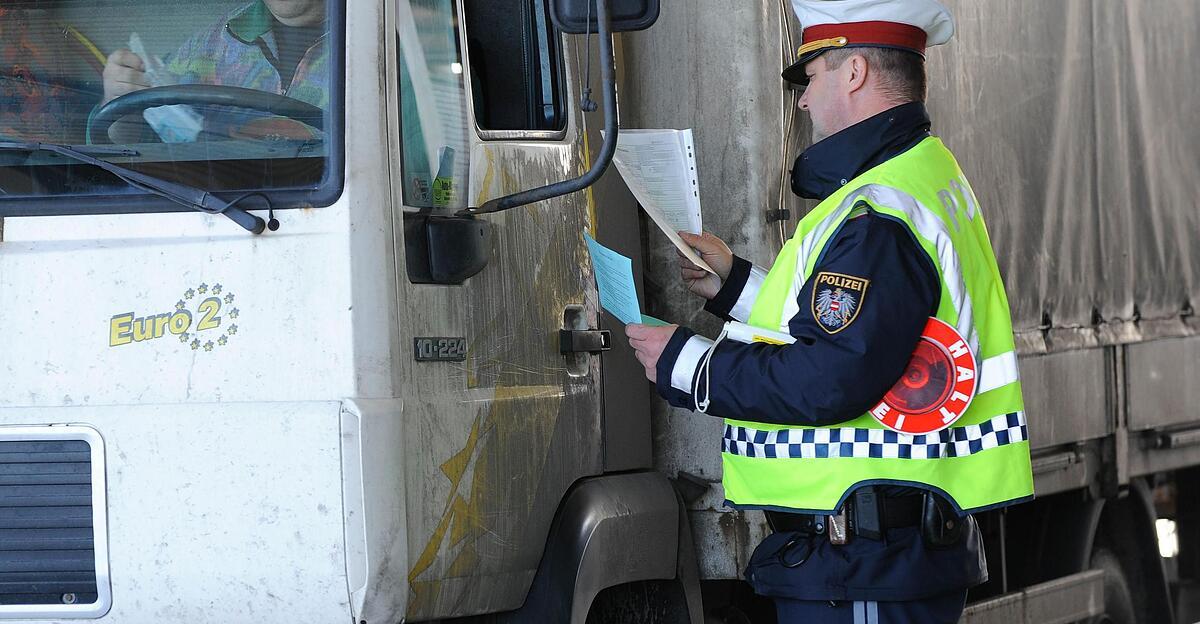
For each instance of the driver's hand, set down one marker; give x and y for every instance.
(123, 73)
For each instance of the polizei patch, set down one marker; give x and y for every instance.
(937, 386)
(836, 300)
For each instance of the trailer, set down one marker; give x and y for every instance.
(343, 360)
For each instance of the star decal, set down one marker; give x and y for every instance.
(179, 305)
(229, 298)
(202, 289)
(184, 337)
(223, 340)
(233, 329)
(234, 312)
(189, 294)
(216, 289)
(208, 346)
(195, 345)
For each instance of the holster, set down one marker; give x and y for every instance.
(940, 524)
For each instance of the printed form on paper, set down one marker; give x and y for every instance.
(659, 167)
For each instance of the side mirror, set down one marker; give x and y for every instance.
(444, 250)
(578, 17)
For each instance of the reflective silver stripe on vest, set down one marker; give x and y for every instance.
(931, 227)
(998, 371)
(879, 443)
(791, 307)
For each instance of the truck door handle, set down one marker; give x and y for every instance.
(584, 340)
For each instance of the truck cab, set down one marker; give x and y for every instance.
(362, 413)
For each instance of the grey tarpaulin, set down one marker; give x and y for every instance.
(1077, 124)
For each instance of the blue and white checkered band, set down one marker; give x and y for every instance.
(882, 443)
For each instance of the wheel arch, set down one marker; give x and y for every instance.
(609, 531)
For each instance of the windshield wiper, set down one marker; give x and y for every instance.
(182, 194)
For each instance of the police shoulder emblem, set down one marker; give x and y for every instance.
(836, 300)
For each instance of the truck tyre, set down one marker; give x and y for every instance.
(647, 602)
(1126, 548)
(727, 615)
(1118, 599)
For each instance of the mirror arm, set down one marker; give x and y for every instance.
(609, 86)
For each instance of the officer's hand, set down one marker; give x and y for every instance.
(123, 73)
(648, 344)
(716, 253)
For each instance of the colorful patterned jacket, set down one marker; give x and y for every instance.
(234, 52)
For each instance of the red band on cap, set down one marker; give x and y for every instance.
(892, 34)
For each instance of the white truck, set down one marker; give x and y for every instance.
(322, 365)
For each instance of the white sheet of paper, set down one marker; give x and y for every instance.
(659, 167)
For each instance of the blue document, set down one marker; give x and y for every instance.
(614, 280)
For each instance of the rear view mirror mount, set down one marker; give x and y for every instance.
(579, 17)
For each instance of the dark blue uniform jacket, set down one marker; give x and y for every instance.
(829, 377)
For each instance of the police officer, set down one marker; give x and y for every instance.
(870, 504)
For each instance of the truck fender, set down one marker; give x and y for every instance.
(610, 530)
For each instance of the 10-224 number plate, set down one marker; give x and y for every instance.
(440, 349)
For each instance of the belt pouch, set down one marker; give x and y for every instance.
(866, 515)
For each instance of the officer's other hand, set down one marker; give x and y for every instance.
(123, 73)
(712, 250)
(648, 344)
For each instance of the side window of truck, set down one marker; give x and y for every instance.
(516, 77)
(435, 152)
(516, 86)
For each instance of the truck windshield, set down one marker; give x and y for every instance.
(220, 95)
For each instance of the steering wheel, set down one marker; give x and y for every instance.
(201, 95)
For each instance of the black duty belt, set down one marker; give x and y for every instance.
(854, 518)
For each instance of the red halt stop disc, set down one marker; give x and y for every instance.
(937, 386)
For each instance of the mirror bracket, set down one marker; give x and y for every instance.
(579, 17)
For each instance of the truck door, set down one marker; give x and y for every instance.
(498, 422)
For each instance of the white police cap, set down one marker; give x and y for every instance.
(911, 25)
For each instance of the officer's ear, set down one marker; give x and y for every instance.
(857, 69)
